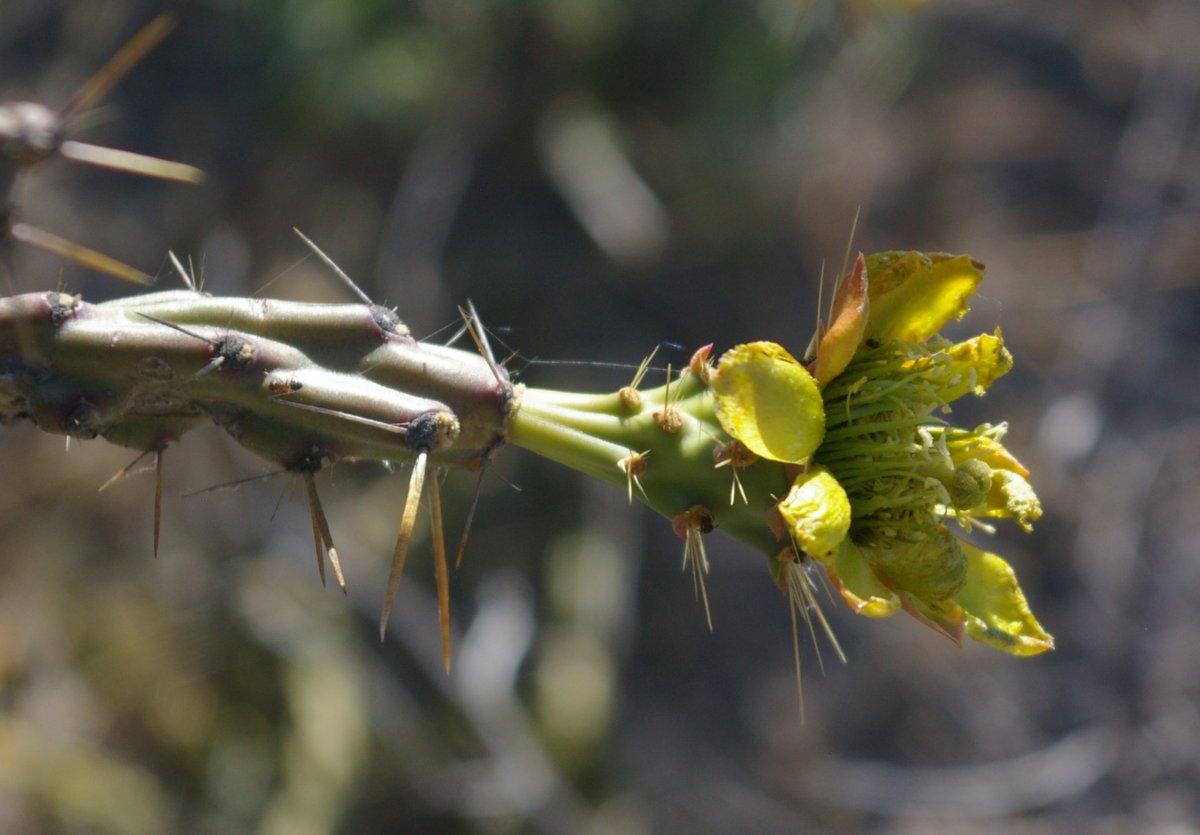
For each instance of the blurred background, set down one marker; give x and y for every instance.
(600, 177)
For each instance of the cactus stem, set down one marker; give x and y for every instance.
(404, 538)
(230, 352)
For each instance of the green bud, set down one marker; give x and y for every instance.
(927, 562)
(970, 484)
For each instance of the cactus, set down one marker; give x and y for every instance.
(836, 463)
(858, 478)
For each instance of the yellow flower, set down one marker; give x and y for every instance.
(880, 477)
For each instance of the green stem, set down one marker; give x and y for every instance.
(593, 434)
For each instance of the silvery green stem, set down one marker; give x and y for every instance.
(296, 383)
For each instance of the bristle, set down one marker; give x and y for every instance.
(796, 653)
(695, 556)
(318, 543)
(158, 491)
(338, 271)
(479, 335)
(128, 470)
(123, 473)
(81, 255)
(404, 538)
(119, 65)
(322, 533)
(188, 276)
(633, 465)
(462, 543)
(440, 568)
(802, 598)
(131, 163)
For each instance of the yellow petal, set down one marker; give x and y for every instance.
(997, 613)
(1012, 496)
(977, 363)
(857, 584)
(817, 512)
(847, 325)
(913, 294)
(989, 450)
(769, 402)
(997, 456)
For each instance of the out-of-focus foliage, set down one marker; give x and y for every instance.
(599, 176)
